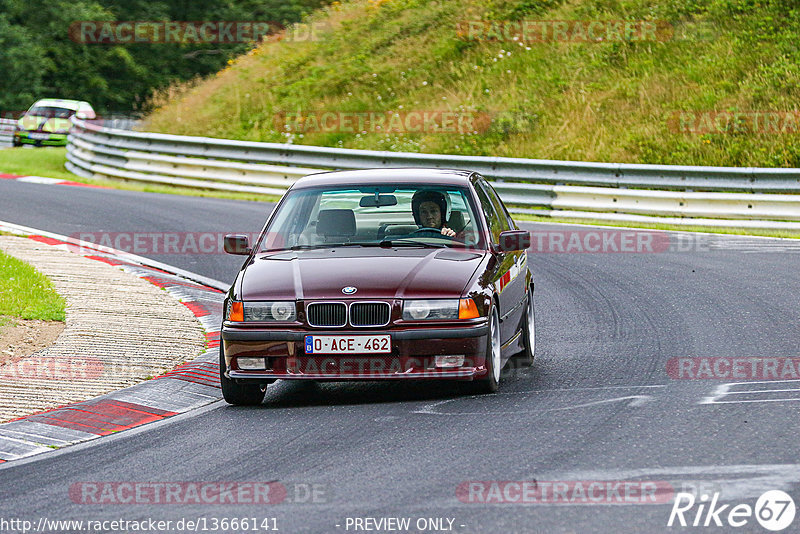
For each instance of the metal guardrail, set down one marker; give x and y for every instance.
(726, 195)
(7, 131)
(119, 122)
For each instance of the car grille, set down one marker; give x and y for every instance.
(361, 314)
(369, 314)
(327, 314)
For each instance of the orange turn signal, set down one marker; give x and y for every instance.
(467, 309)
(236, 312)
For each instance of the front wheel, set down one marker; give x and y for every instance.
(235, 393)
(491, 381)
(528, 334)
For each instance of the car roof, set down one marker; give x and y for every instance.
(386, 177)
(59, 103)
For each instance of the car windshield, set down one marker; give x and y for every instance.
(50, 111)
(388, 216)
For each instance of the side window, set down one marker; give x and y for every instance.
(461, 219)
(487, 206)
(500, 208)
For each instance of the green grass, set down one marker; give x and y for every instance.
(49, 162)
(26, 293)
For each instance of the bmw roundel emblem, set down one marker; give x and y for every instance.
(349, 290)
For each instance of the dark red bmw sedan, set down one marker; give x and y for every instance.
(379, 274)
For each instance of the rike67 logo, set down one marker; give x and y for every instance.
(774, 511)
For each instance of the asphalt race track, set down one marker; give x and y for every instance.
(603, 402)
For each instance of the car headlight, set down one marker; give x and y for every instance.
(279, 311)
(417, 310)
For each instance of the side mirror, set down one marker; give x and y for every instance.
(513, 240)
(237, 244)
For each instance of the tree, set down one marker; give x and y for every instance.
(40, 59)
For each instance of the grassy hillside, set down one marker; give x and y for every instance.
(609, 101)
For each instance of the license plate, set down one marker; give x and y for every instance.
(39, 136)
(349, 344)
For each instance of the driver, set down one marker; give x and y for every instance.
(429, 208)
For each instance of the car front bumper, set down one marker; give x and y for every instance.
(40, 139)
(413, 354)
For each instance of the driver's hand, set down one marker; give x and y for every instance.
(448, 232)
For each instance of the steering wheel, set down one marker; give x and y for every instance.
(426, 229)
(436, 231)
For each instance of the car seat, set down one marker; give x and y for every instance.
(336, 225)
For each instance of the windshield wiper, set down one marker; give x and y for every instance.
(387, 243)
(405, 242)
(321, 245)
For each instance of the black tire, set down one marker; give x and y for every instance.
(491, 382)
(528, 334)
(235, 393)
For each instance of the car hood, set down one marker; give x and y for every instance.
(375, 273)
